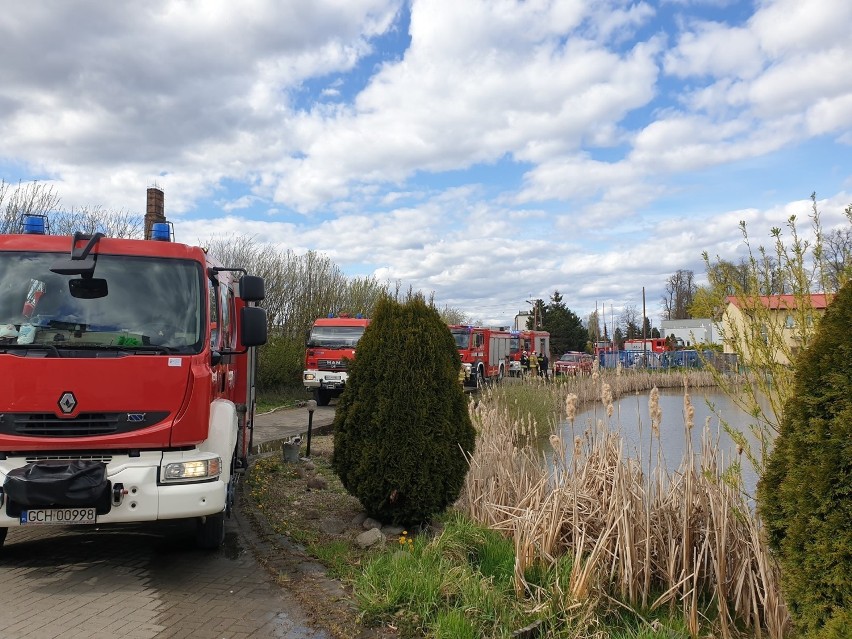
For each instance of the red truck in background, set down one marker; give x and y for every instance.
(649, 345)
(484, 352)
(331, 345)
(127, 371)
(529, 341)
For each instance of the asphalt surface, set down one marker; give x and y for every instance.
(274, 428)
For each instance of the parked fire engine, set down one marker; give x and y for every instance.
(127, 369)
(650, 345)
(529, 341)
(331, 345)
(484, 353)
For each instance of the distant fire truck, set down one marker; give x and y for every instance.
(650, 345)
(529, 341)
(331, 345)
(127, 369)
(484, 352)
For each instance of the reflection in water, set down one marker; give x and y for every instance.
(632, 415)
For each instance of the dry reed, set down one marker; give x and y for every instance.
(677, 539)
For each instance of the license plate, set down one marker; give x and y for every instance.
(332, 378)
(59, 516)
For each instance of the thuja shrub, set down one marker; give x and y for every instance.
(805, 492)
(401, 428)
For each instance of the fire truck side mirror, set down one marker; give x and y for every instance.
(252, 288)
(253, 325)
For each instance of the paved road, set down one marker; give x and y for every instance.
(149, 581)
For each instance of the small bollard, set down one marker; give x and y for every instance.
(311, 406)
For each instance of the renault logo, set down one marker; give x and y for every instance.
(67, 402)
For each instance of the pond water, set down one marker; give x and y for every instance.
(632, 416)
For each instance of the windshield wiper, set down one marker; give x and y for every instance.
(121, 348)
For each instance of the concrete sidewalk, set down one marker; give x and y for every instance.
(272, 429)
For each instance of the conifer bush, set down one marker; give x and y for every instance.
(805, 493)
(402, 429)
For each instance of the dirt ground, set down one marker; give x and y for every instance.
(299, 510)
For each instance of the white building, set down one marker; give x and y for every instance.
(692, 331)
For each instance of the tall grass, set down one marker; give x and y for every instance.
(684, 540)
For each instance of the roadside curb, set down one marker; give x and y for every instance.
(274, 445)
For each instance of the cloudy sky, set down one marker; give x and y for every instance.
(489, 151)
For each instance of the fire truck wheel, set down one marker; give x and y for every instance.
(210, 531)
(3, 533)
(323, 397)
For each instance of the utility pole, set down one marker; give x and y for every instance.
(535, 314)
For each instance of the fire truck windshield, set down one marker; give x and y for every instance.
(462, 338)
(130, 302)
(335, 336)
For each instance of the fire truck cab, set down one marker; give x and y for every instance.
(330, 346)
(127, 369)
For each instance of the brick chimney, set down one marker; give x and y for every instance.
(156, 209)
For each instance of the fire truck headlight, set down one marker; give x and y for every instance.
(310, 377)
(193, 470)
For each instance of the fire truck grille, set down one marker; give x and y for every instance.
(84, 425)
(331, 364)
(106, 459)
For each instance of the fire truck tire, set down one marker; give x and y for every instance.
(210, 531)
(323, 397)
(480, 377)
(3, 533)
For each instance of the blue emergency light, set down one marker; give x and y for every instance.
(161, 231)
(34, 224)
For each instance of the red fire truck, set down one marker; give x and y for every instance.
(529, 341)
(331, 344)
(650, 345)
(127, 369)
(484, 352)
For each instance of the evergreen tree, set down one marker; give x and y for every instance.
(805, 492)
(402, 429)
(566, 329)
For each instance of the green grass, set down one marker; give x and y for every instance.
(283, 396)
(459, 585)
(455, 585)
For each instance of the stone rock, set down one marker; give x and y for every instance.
(370, 538)
(392, 531)
(358, 519)
(332, 526)
(369, 522)
(317, 483)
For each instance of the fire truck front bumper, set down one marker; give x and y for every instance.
(332, 381)
(128, 489)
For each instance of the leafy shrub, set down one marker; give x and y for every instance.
(402, 428)
(805, 494)
(280, 362)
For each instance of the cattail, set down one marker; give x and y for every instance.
(571, 407)
(655, 411)
(606, 398)
(556, 444)
(688, 411)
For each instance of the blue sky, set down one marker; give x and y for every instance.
(486, 151)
